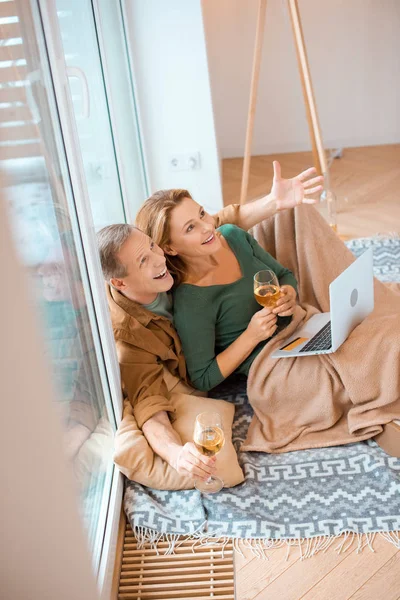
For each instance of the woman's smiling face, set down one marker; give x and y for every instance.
(192, 231)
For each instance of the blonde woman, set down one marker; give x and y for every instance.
(197, 256)
(219, 322)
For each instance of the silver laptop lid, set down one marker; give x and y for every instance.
(351, 298)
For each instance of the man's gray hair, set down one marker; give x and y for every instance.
(110, 240)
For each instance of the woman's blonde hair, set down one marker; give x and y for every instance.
(153, 219)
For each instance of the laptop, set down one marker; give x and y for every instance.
(351, 297)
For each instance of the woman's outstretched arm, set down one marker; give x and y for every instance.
(285, 193)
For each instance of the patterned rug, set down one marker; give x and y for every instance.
(386, 251)
(305, 498)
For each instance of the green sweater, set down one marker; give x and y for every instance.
(209, 319)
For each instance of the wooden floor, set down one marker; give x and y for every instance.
(331, 576)
(365, 180)
(367, 184)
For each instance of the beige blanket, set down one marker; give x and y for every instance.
(325, 400)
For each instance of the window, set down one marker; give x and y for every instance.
(94, 49)
(43, 209)
(81, 53)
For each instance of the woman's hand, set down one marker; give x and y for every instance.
(189, 461)
(262, 325)
(289, 193)
(287, 302)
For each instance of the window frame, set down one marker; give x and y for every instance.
(66, 139)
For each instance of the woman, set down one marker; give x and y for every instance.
(241, 337)
(298, 402)
(214, 302)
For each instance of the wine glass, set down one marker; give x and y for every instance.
(266, 288)
(209, 439)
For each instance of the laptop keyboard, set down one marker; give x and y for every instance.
(321, 340)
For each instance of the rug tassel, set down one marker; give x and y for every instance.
(339, 547)
(360, 543)
(352, 538)
(236, 546)
(224, 546)
(289, 544)
(259, 547)
(392, 537)
(300, 541)
(329, 541)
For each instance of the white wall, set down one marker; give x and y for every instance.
(173, 92)
(353, 49)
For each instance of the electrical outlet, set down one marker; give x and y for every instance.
(188, 161)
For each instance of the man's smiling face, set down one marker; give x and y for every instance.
(146, 271)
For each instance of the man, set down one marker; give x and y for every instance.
(148, 347)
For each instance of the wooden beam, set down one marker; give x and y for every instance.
(320, 162)
(15, 113)
(21, 132)
(7, 9)
(21, 151)
(253, 97)
(13, 74)
(10, 31)
(15, 52)
(12, 94)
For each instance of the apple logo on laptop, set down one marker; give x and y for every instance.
(354, 297)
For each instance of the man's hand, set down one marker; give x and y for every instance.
(289, 193)
(189, 461)
(165, 442)
(287, 302)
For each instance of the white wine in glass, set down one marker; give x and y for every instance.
(209, 439)
(266, 288)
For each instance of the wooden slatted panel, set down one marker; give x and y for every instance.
(199, 572)
(20, 151)
(7, 9)
(22, 132)
(23, 140)
(10, 74)
(10, 31)
(14, 52)
(16, 94)
(15, 113)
